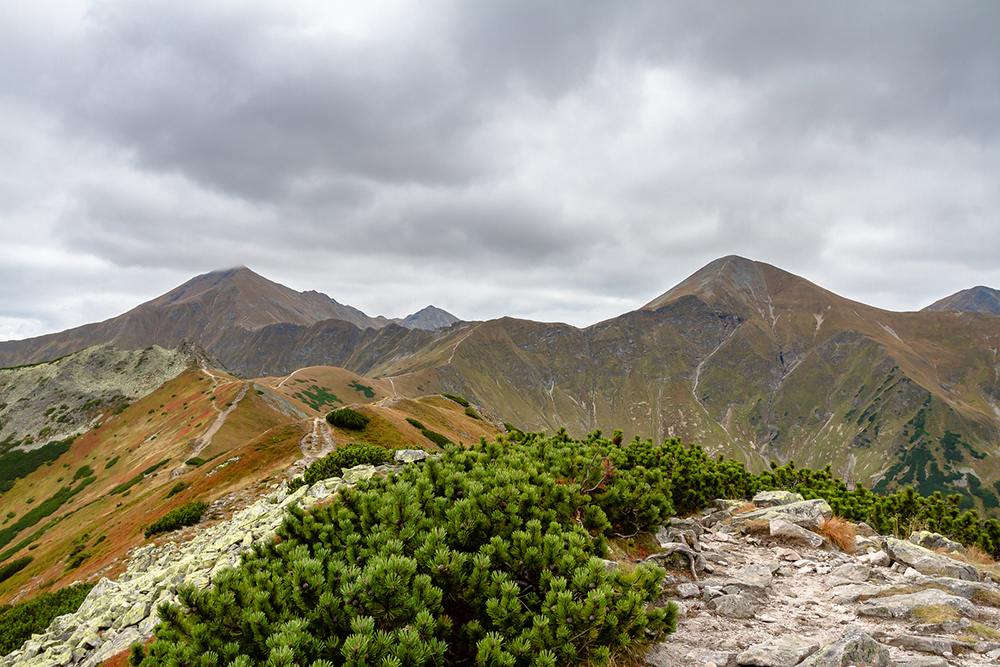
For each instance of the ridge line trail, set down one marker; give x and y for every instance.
(203, 441)
(319, 440)
(287, 378)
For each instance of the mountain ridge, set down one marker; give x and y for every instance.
(980, 299)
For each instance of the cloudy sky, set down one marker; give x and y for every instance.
(550, 160)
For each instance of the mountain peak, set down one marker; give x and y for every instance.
(980, 299)
(731, 274)
(429, 317)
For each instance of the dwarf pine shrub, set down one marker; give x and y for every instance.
(334, 463)
(489, 556)
(348, 418)
(186, 515)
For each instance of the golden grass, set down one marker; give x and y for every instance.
(757, 527)
(986, 596)
(936, 613)
(743, 509)
(978, 556)
(979, 631)
(840, 532)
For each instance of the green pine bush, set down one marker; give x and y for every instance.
(19, 622)
(348, 418)
(489, 556)
(334, 463)
(186, 515)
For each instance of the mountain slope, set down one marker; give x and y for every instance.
(757, 363)
(202, 309)
(978, 299)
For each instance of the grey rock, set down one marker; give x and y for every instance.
(807, 514)
(358, 473)
(728, 504)
(410, 455)
(935, 645)
(688, 590)
(688, 524)
(878, 559)
(903, 606)
(851, 593)
(715, 518)
(854, 647)
(935, 541)
(926, 561)
(775, 498)
(732, 606)
(709, 593)
(780, 652)
(922, 662)
(782, 527)
(851, 573)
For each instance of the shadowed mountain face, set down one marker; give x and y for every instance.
(978, 299)
(206, 310)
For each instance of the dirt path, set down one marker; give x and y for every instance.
(201, 443)
(317, 443)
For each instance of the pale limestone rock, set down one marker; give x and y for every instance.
(854, 647)
(779, 652)
(926, 561)
(732, 606)
(902, 606)
(774, 498)
(781, 527)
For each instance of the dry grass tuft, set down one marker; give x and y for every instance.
(978, 556)
(986, 596)
(757, 527)
(936, 613)
(743, 509)
(840, 532)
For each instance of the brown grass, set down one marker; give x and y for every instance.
(987, 597)
(978, 556)
(979, 631)
(743, 509)
(840, 532)
(936, 613)
(758, 527)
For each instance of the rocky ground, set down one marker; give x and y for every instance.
(754, 588)
(769, 598)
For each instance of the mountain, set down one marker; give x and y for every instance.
(205, 310)
(429, 318)
(978, 299)
(748, 360)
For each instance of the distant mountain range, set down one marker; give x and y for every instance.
(206, 310)
(745, 358)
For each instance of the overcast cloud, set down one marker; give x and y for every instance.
(550, 160)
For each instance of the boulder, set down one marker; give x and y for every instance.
(688, 590)
(903, 606)
(774, 498)
(732, 606)
(854, 647)
(781, 527)
(780, 652)
(850, 573)
(935, 541)
(926, 561)
(807, 513)
(410, 455)
(359, 473)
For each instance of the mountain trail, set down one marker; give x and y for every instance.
(201, 443)
(318, 442)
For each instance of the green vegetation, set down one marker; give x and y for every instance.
(83, 471)
(125, 486)
(17, 463)
(110, 464)
(364, 389)
(458, 399)
(348, 418)
(471, 413)
(42, 510)
(177, 488)
(436, 437)
(20, 621)
(13, 567)
(489, 556)
(334, 463)
(317, 397)
(415, 423)
(187, 515)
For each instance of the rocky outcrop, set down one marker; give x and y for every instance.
(925, 561)
(773, 600)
